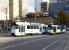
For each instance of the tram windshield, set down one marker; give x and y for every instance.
(15, 27)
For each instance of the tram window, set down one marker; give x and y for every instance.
(62, 27)
(13, 27)
(35, 27)
(58, 27)
(31, 27)
(49, 25)
(28, 27)
(16, 27)
(44, 27)
(54, 27)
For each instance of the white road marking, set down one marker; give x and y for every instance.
(22, 43)
(50, 45)
(17, 44)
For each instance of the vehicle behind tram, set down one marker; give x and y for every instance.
(56, 29)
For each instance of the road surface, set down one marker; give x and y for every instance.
(39, 42)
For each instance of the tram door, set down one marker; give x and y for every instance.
(22, 30)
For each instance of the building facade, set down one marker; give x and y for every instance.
(55, 6)
(10, 9)
(47, 3)
(18, 8)
(44, 7)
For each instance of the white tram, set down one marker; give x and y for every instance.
(55, 29)
(24, 28)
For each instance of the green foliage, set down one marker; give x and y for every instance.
(61, 17)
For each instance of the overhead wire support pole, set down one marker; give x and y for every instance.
(35, 10)
(6, 20)
(6, 13)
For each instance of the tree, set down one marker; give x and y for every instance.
(29, 15)
(61, 17)
(67, 19)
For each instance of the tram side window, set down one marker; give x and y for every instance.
(31, 27)
(58, 27)
(14, 27)
(44, 27)
(28, 27)
(36, 27)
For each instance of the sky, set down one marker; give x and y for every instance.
(31, 4)
(4, 4)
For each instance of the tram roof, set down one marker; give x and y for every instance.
(27, 23)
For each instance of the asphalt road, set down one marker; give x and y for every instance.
(39, 42)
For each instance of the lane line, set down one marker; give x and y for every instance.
(17, 44)
(22, 43)
(50, 45)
